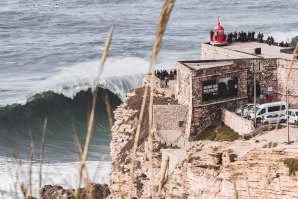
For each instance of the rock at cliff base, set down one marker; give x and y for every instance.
(90, 191)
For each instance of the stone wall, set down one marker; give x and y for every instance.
(237, 123)
(168, 117)
(236, 69)
(292, 81)
(266, 77)
(184, 84)
(207, 115)
(274, 74)
(184, 92)
(209, 52)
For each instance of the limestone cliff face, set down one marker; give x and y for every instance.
(233, 170)
(239, 169)
(123, 135)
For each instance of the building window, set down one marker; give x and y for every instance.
(181, 123)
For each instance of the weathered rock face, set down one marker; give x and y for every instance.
(90, 191)
(239, 169)
(242, 169)
(123, 135)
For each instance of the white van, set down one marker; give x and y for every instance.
(273, 107)
(293, 118)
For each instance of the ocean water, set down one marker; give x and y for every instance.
(50, 52)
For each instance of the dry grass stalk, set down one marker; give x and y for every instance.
(122, 194)
(77, 141)
(109, 110)
(92, 113)
(30, 162)
(162, 24)
(163, 21)
(99, 166)
(17, 183)
(162, 175)
(42, 150)
(135, 145)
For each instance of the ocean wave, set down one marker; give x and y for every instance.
(119, 76)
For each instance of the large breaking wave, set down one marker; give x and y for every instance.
(65, 100)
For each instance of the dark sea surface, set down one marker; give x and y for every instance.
(49, 58)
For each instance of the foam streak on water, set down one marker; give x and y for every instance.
(63, 174)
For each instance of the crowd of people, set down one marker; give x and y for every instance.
(241, 36)
(250, 36)
(265, 98)
(165, 76)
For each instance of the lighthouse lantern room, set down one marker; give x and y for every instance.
(217, 35)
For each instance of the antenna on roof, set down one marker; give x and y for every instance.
(217, 19)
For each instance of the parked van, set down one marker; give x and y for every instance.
(268, 108)
(293, 118)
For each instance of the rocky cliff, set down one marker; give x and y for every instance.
(239, 169)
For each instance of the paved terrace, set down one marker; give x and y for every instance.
(267, 51)
(200, 65)
(280, 135)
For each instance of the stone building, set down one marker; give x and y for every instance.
(283, 57)
(224, 79)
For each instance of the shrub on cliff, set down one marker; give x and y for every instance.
(218, 133)
(292, 164)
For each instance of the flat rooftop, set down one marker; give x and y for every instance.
(200, 65)
(266, 50)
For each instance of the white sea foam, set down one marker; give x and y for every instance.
(66, 175)
(119, 76)
(284, 36)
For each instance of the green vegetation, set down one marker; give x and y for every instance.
(270, 145)
(233, 157)
(164, 146)
(292, 164)
(192, 158)
(218, 133)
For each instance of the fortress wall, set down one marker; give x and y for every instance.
(292, 81)
(208, 112)
(236, 122)
(267, 78)
(209, 52)
(203, 75)
(168, 117)
(205, 116)
(184, 92)
(184, 84)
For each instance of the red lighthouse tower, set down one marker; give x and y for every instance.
(217, 35)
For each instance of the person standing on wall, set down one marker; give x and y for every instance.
(270, 98)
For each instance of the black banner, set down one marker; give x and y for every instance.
(220, 88)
